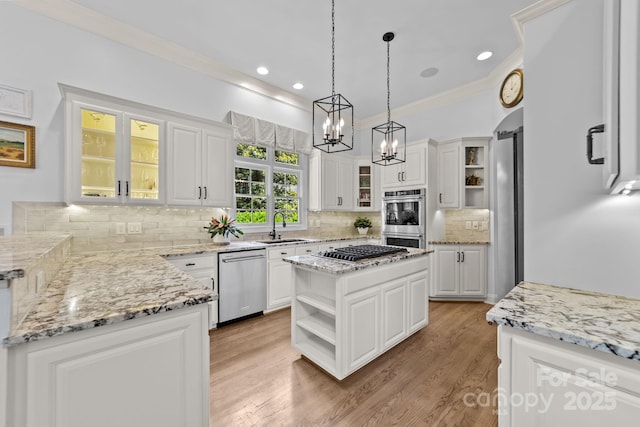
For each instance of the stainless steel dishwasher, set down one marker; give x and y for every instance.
(242, 284)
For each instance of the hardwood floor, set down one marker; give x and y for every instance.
(258, 379)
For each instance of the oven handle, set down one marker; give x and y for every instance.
(405, 200)
(400, 235)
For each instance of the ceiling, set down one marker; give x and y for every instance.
(292, 38)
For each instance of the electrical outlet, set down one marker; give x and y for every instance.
(120, 228)
(134, 228)
(467, 225)
(484, 225)
(475, 225)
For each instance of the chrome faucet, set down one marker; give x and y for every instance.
(284, 224)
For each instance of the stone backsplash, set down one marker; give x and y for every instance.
(93, 227)
(456, 221)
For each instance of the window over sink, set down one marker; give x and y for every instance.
(269, 180)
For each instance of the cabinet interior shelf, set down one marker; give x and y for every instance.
(320, 351)
(147, 164)
(320, 325)
(317, 301)
(474, 187)
(98, 159)
(474, 166)
(99, 131)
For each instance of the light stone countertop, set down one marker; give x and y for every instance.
(336, 266)
(602, 322)
(98, 289)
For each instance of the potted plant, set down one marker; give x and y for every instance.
(362, 223)
(221, 228)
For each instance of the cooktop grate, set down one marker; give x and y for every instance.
(359, 252)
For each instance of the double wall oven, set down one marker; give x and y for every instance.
(404, 218)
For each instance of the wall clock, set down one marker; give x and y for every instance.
(511, 89)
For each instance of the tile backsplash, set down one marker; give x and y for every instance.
(457, 220)
(94, 227)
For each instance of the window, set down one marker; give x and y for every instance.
(267, 181)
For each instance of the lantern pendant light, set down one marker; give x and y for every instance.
(388, 140)
(333, 115)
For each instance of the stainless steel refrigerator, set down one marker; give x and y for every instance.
(508, 209)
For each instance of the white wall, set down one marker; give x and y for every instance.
(575, 235)
(39, 52)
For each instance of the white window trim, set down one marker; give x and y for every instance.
(270, 165)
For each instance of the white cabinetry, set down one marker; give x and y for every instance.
(337, 183)
(411, 173)
(200, 164)
(114, 150)
(152, 370)
(279, 277)
(463, 175)
(203, 268)
(563, 384)
(367, 184)
(459, 272)
(343, 322)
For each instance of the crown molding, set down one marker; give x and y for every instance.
(537, 9)
(89, 20)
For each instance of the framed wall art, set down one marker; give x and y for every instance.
(17, 145)
(15, 102)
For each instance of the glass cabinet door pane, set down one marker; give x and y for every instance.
(144, 160)
(364, 186)
(98, 154)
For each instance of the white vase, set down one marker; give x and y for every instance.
(363, 230)
(221, 239)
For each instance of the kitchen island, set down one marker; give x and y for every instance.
(568, 357)
(344, 314)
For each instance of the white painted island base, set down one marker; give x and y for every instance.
(341, 322)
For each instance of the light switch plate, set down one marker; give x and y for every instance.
(467, 225)
(120, 228)
(134, 228)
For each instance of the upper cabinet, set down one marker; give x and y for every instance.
(411, 173)
(463, 175)
(119, 151)
(337, 183)
(367, 185)
(200, 165)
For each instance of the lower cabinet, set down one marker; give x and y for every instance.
(279, 278)
(203, 268)
(148, 371)
(546, 382)
(459, 272)
(343, 322)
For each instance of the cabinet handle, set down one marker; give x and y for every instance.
(462, 256)
(126, 186)
(283, 253)
(590, 159)
(309, 250)
(213, 284)
(440, 197)
(190, 264)
(119, 192)
(199, 193)
(399, 179)
(404, 178)
(205, 193)
(458, 260)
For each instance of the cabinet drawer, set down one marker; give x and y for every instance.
(306, 249)
(279, 253)
(190, 263)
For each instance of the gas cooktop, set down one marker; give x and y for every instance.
(360, 252)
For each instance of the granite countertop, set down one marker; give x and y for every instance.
(18, 252)
(336, 266)
(98, 289)
(602, 322)
(458, 242)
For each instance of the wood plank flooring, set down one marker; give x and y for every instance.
(258, 379)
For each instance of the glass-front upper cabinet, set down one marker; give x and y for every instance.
(114, 156)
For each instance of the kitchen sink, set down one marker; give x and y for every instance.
(270, 242)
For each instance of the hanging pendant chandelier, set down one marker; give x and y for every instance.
(333, 115)
(388, 140)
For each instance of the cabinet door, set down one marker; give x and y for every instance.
(473, 271)
(446, 271)
(417, 289)
(394, 313)
(144, 157)
(280, 281)
(184, 165)
(392, 175)
(449, 176)
(362, 318)
(346, 189)
(330, 182)
(415, 167)
(217, 170)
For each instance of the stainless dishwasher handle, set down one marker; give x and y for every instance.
(246, 258)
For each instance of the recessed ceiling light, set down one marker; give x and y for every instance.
(429, 72)
(262, 70)
(484, 55)
(298, 85)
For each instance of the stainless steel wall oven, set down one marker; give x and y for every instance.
(404, 218)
